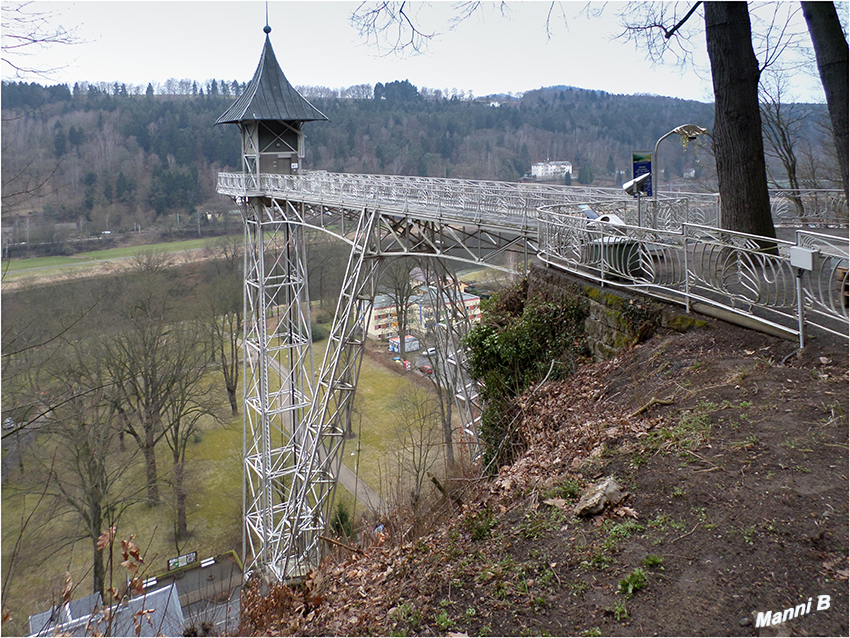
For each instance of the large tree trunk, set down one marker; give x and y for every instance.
(149, 452)
(832, 54)
(738, 144)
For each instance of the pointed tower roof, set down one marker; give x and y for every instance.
(270, 96)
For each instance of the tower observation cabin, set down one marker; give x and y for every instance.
(270, 114)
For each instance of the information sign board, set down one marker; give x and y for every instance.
(642, 164)
(182, 561)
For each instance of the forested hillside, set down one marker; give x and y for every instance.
(113, 157)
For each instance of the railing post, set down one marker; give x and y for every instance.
(801, 319)
(687, 270)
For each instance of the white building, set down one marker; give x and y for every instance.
(549, 170)
(423, 313)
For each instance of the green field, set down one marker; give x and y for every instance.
(14, 268)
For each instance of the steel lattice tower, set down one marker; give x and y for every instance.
(289, 463)
(295, 422)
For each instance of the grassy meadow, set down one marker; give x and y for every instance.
(214, 462)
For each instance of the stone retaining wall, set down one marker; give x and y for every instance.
(616, 318)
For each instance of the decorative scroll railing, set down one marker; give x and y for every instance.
(809, 207)
(699, 264)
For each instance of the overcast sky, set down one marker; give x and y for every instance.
(137, 42)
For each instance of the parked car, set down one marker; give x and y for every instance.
(426, 369)
(430, 352)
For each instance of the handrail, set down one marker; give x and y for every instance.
(737, 272)
(684, 257)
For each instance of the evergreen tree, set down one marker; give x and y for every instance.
(585, 174)
(60, 141)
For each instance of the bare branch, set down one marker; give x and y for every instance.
(669, 34)
(775, 37)
(389, 26)
(643, 22)
(26, 30)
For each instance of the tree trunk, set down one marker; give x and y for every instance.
(182, 530)
(98, 572)
(831, 52)
(234, 404)
(738, 144)
(95, 521)
(149, 451)
(446, 410)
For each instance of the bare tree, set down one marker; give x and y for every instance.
(144, 360)
(83, 463)
(832, 55)
(782, 123)
(326, 260)
(450, 322)
(417, 438)
(397, 285)
(188, 401)
(222, 310)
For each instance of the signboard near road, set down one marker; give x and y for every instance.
(641, 165)
(182, 561)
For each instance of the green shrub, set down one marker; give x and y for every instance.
(341, 521)
(515, 346)
(318, 333)
(479, 524)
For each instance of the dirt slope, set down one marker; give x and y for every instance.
(734, 455)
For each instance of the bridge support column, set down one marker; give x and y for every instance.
(279, 440)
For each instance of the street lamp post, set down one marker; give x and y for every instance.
(685, 131)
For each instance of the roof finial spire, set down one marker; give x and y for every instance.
(267, 29)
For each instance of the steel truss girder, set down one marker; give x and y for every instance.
(285, 487)
(295, 426)
(411, 235)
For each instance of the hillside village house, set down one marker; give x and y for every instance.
(550, 170)
(424, 313)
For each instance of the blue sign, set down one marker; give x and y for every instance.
(641, 165)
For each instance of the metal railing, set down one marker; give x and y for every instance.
(820, 208)
(503, 205)
(667, 246)
(699, 264)
(515, 204)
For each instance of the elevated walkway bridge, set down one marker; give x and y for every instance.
(669, 248)
(593, 232)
